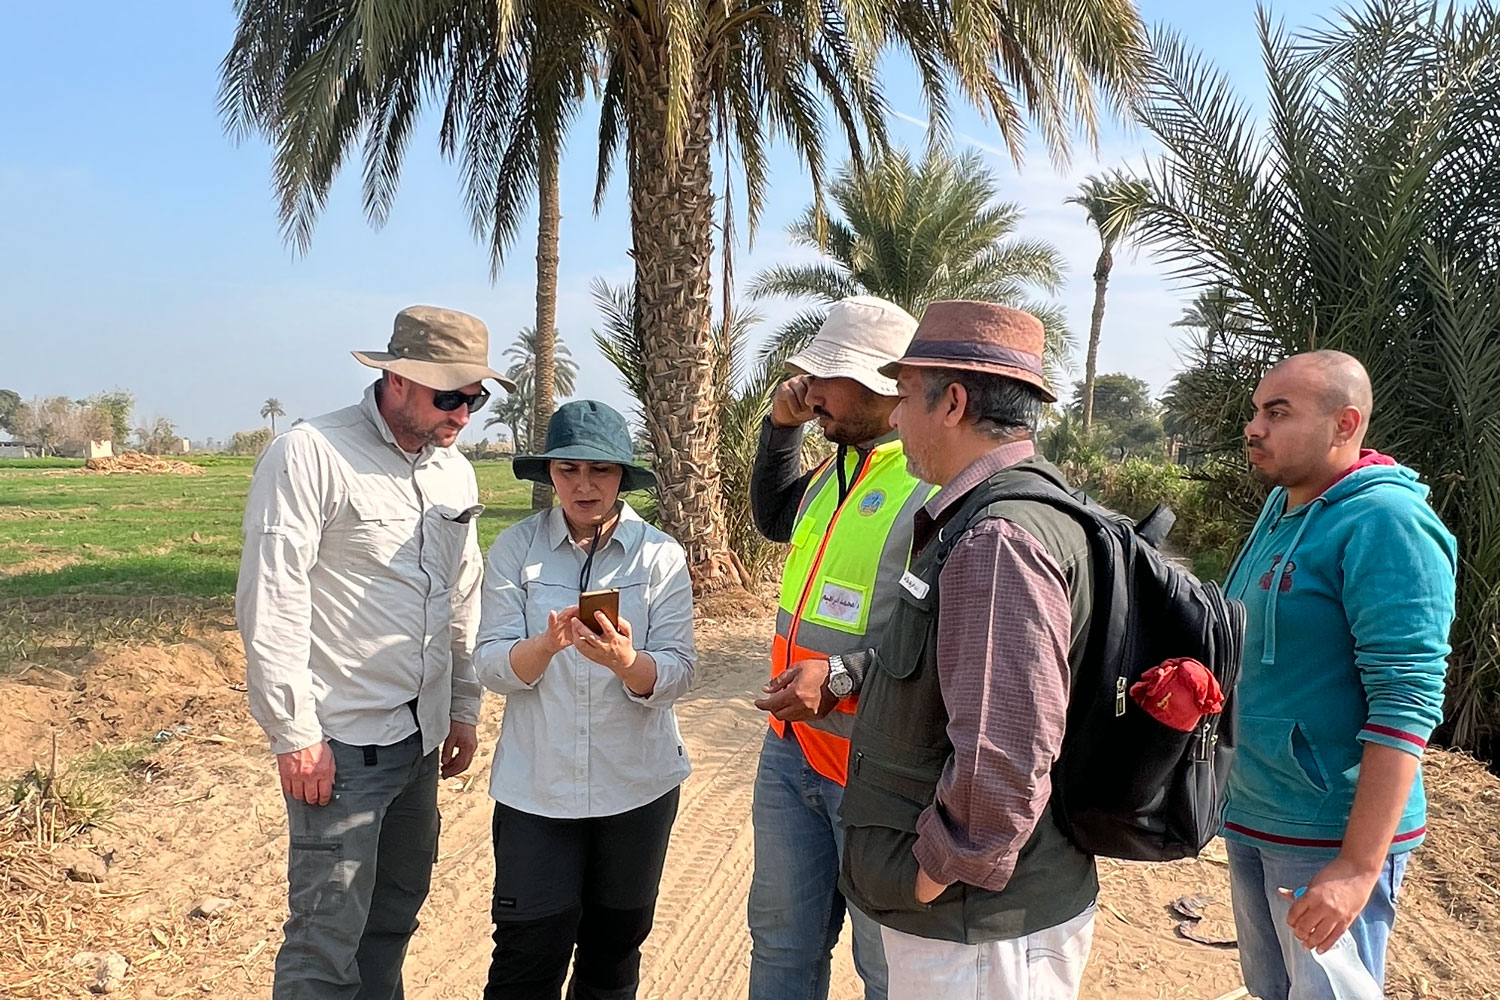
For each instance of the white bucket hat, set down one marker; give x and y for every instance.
(861, 334)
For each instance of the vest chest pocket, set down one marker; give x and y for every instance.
(905, 640)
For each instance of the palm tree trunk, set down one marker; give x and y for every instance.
(1096, 324)
(549, 215)
(672, 224)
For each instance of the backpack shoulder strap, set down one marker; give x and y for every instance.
(989, 498)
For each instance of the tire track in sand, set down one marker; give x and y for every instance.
(700, 947)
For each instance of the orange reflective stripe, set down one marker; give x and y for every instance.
(812, 573)
(826, 753)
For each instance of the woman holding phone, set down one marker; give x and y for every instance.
(586, 773)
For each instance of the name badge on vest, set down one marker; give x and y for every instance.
(841, 604)
(914, 585)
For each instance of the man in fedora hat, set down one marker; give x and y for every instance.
(358, 601)
(948, 839)
(849, 524)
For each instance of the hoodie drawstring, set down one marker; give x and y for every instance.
(1268, 650)
(1260, 520)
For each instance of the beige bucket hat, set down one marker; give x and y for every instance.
(861, 334)
(442, 349)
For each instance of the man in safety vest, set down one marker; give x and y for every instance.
(849, 522)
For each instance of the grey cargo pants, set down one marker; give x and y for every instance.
(358, 872)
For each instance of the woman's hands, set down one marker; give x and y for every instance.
(614, 649)
(559, 634)
(530, 657)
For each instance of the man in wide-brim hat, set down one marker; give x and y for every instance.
(948, 840)
(358, 602)
(849, 524)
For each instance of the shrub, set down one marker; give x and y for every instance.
(250, 442)
(1209, 523)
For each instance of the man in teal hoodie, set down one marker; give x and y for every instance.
(1348, 584)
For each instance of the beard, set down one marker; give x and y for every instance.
(1262, 475)
(914, 468)
(404, 425)
(852, 433)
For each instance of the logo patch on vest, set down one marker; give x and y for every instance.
(841, 604)
(871, 502)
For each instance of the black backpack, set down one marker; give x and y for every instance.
(1127, 786)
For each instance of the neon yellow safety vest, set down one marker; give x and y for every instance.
(839, 586)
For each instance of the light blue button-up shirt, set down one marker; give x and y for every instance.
(359, 585)
(577, 742)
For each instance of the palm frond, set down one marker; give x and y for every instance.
(915, 232)
(1363, 217)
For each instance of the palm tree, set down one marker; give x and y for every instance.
(743, 399)
(679, 77)
(1217, 314)
(512, 412)
(914, 234)
(272, 408)
(1111, 203)
(523, 354)
(549, 219)
(1361, 218)
(517, 411)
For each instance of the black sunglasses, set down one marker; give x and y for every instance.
(453, 399)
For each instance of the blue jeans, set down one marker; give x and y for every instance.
(1272, 960)
(796, 909)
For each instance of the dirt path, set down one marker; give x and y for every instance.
(210, 822)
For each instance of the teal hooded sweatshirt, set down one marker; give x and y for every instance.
(1349, 600)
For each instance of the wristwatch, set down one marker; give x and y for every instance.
(840, 680)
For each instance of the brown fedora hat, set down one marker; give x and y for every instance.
(442, 349)
(978, 336)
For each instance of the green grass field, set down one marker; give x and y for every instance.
(68, 533)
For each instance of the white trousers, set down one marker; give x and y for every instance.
(1047, 965)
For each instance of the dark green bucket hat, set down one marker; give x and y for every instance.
(586, 431)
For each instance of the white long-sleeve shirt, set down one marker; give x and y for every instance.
(359, 586)
(577, 742)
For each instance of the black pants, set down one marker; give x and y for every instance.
(588, 884)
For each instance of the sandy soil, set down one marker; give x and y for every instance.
(209, 822)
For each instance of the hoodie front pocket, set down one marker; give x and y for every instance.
(1277, 771)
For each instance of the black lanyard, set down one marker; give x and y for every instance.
(588, 562)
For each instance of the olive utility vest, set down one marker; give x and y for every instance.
(900, 748)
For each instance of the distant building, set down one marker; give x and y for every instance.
(182, 447)
(16, 449)
(100, 449)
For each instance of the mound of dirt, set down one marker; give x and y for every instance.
(117, 694)
(133, 462)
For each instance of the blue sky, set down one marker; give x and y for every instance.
(141, 249)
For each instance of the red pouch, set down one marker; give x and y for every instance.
(1178, 693)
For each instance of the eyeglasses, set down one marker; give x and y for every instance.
(453, 399)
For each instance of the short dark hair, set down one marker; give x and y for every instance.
(1004, 407)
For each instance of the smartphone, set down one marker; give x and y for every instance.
(607, 601)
